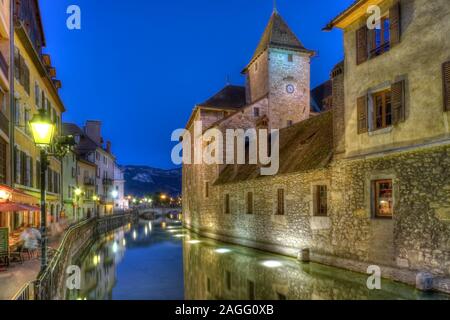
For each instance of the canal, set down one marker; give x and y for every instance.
(153, 262)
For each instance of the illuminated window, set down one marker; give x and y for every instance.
(383, 200)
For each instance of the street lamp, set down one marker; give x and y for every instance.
(43, 131)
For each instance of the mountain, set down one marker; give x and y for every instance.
(144, 180)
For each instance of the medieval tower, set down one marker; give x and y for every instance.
(280, 71)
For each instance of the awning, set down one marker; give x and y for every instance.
(13, 206)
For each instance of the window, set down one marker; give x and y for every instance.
(206, 189)
(256, 112)
(249, 202)
(17, 112)
(281, 296)
(321, 201)
(208, 285)
(27, 119)
(383, 201)
(227, 203)
(379, 38)
(37, 95)
(290, 57)
(251, 290)
(382, 109)
(228, 280)
(374, 42)
(280, 202)
(289, 123)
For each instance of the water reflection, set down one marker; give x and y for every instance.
(166, 262)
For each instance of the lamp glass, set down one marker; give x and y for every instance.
(42, 129)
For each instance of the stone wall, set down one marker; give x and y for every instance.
(416, 239)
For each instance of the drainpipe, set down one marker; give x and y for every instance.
(11, 92)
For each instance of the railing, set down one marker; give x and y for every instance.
(49, 284)
(89, 181)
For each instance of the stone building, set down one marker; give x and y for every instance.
(364, 183)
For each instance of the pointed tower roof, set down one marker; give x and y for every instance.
(278, 35)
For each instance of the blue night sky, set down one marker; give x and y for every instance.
(140, 66)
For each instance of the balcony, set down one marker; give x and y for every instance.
(108, 181)
(89, 181)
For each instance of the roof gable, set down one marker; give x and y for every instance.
(230, 97)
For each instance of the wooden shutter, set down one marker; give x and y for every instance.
(446, 79)
(361, 45)
(398, 102)
(362, 115)
(395, 24)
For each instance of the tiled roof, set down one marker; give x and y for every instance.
(305, 146)
(230, 97)
(278, 34)
(86, 144)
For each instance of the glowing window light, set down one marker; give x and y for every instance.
(115, 247)
(134, 235)
(124, 242)
(272, 264)
(194, 241)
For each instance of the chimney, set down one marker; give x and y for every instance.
(93, 130)
(108, 146)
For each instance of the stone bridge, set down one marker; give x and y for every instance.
(150, 213)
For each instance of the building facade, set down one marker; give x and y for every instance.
(120, 201)
(365, 183)
(69, 185)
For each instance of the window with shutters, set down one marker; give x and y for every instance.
(17, 112)
(26, 121)
(227, 203)
(382, 198)
(382, 109)
(249, 203)
(371, 43)
(280, 202)
(446, 80)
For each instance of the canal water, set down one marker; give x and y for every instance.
(165, 262)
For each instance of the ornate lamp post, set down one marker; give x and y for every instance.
(43, 130)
